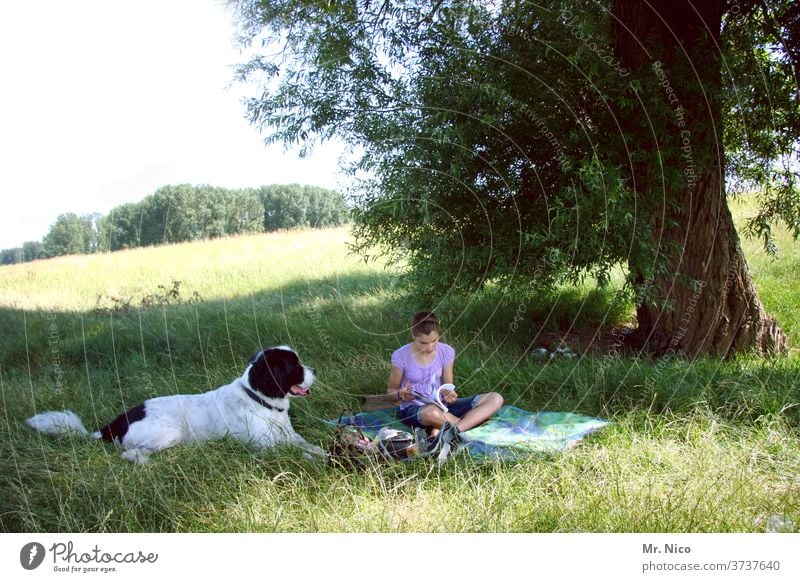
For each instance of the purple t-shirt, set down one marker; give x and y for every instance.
(426, 379)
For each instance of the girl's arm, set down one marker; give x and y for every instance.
(447, 373)
(395, 377)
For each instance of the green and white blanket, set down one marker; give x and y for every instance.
(512, 432)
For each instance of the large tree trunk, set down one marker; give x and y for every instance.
(705, 301)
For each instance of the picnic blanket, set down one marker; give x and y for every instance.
(510, 434)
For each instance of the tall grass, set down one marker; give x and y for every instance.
(694, 446)
(776, 276)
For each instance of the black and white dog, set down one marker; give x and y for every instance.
(253, 409)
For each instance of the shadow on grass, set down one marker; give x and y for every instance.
(315, 316)
(347, 328)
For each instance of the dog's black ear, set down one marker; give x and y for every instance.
(271, 372)
(265, 376)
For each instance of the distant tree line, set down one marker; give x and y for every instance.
(183, 213)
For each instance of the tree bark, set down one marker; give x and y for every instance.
(705, 300)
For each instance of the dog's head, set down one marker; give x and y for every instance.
(278, 373)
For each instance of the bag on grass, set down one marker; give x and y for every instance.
(350, 447)
(396, 444)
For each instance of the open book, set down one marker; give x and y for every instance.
(432, 396)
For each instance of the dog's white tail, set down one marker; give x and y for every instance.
(59, 423)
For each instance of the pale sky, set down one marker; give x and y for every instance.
(104, 101)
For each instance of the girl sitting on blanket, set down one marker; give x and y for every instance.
(418, 371)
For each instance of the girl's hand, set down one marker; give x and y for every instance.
(404, 394)
(448, 396)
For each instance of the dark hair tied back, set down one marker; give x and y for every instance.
(424, 323)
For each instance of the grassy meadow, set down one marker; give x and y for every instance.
(703, 446)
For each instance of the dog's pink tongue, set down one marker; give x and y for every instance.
(299, 390)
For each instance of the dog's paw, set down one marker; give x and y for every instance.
(313, 453)
(136, 456)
